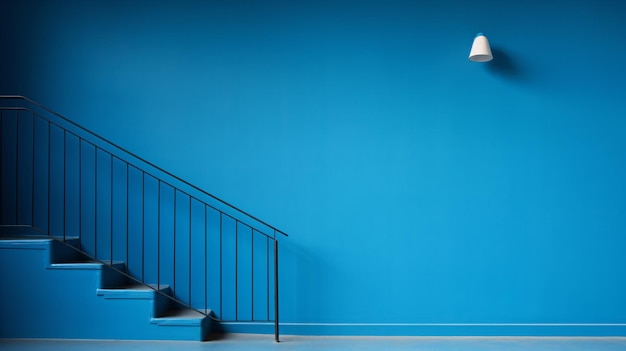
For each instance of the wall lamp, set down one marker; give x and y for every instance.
(481, 52)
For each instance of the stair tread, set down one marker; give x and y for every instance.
(86, 265)
(41, 242)
(137, 287)
(77, 265)
(134, 291)
(181, 314)
(181, 317)
(24, 237)
(35, 238)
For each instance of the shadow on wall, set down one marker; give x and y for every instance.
(19, 65)
(504, 65)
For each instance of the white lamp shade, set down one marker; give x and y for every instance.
(481, 52)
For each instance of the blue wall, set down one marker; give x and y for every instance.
(421, 190)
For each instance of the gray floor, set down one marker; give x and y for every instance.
(307, 343)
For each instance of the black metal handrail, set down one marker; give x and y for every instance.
(49, 153)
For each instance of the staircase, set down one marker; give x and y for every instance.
(98, 243)
(50, 290)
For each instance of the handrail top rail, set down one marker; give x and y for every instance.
(196, 188)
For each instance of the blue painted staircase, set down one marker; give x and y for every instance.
(98, 243)
(49, 290)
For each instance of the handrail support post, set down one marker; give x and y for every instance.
(276, 325)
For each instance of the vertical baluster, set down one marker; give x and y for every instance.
(159, 235)
(267, 272)
(64, 185)
(32, 179)
(143, 225)
(206, 297)
(174, 284)
(276, 325)
(236, 270)
(1, 163)
(49, 159)
(127, 215)
(111, 209)
(95, 207)
(221, 267)
(80, 193)
(17, 158)
(189, 276)
(252, 270)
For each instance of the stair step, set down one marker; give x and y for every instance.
(23, 242)
(72, 240)
(108, 275)
(133, 291)
(56, 250)
(181, 317)
(86, 265)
